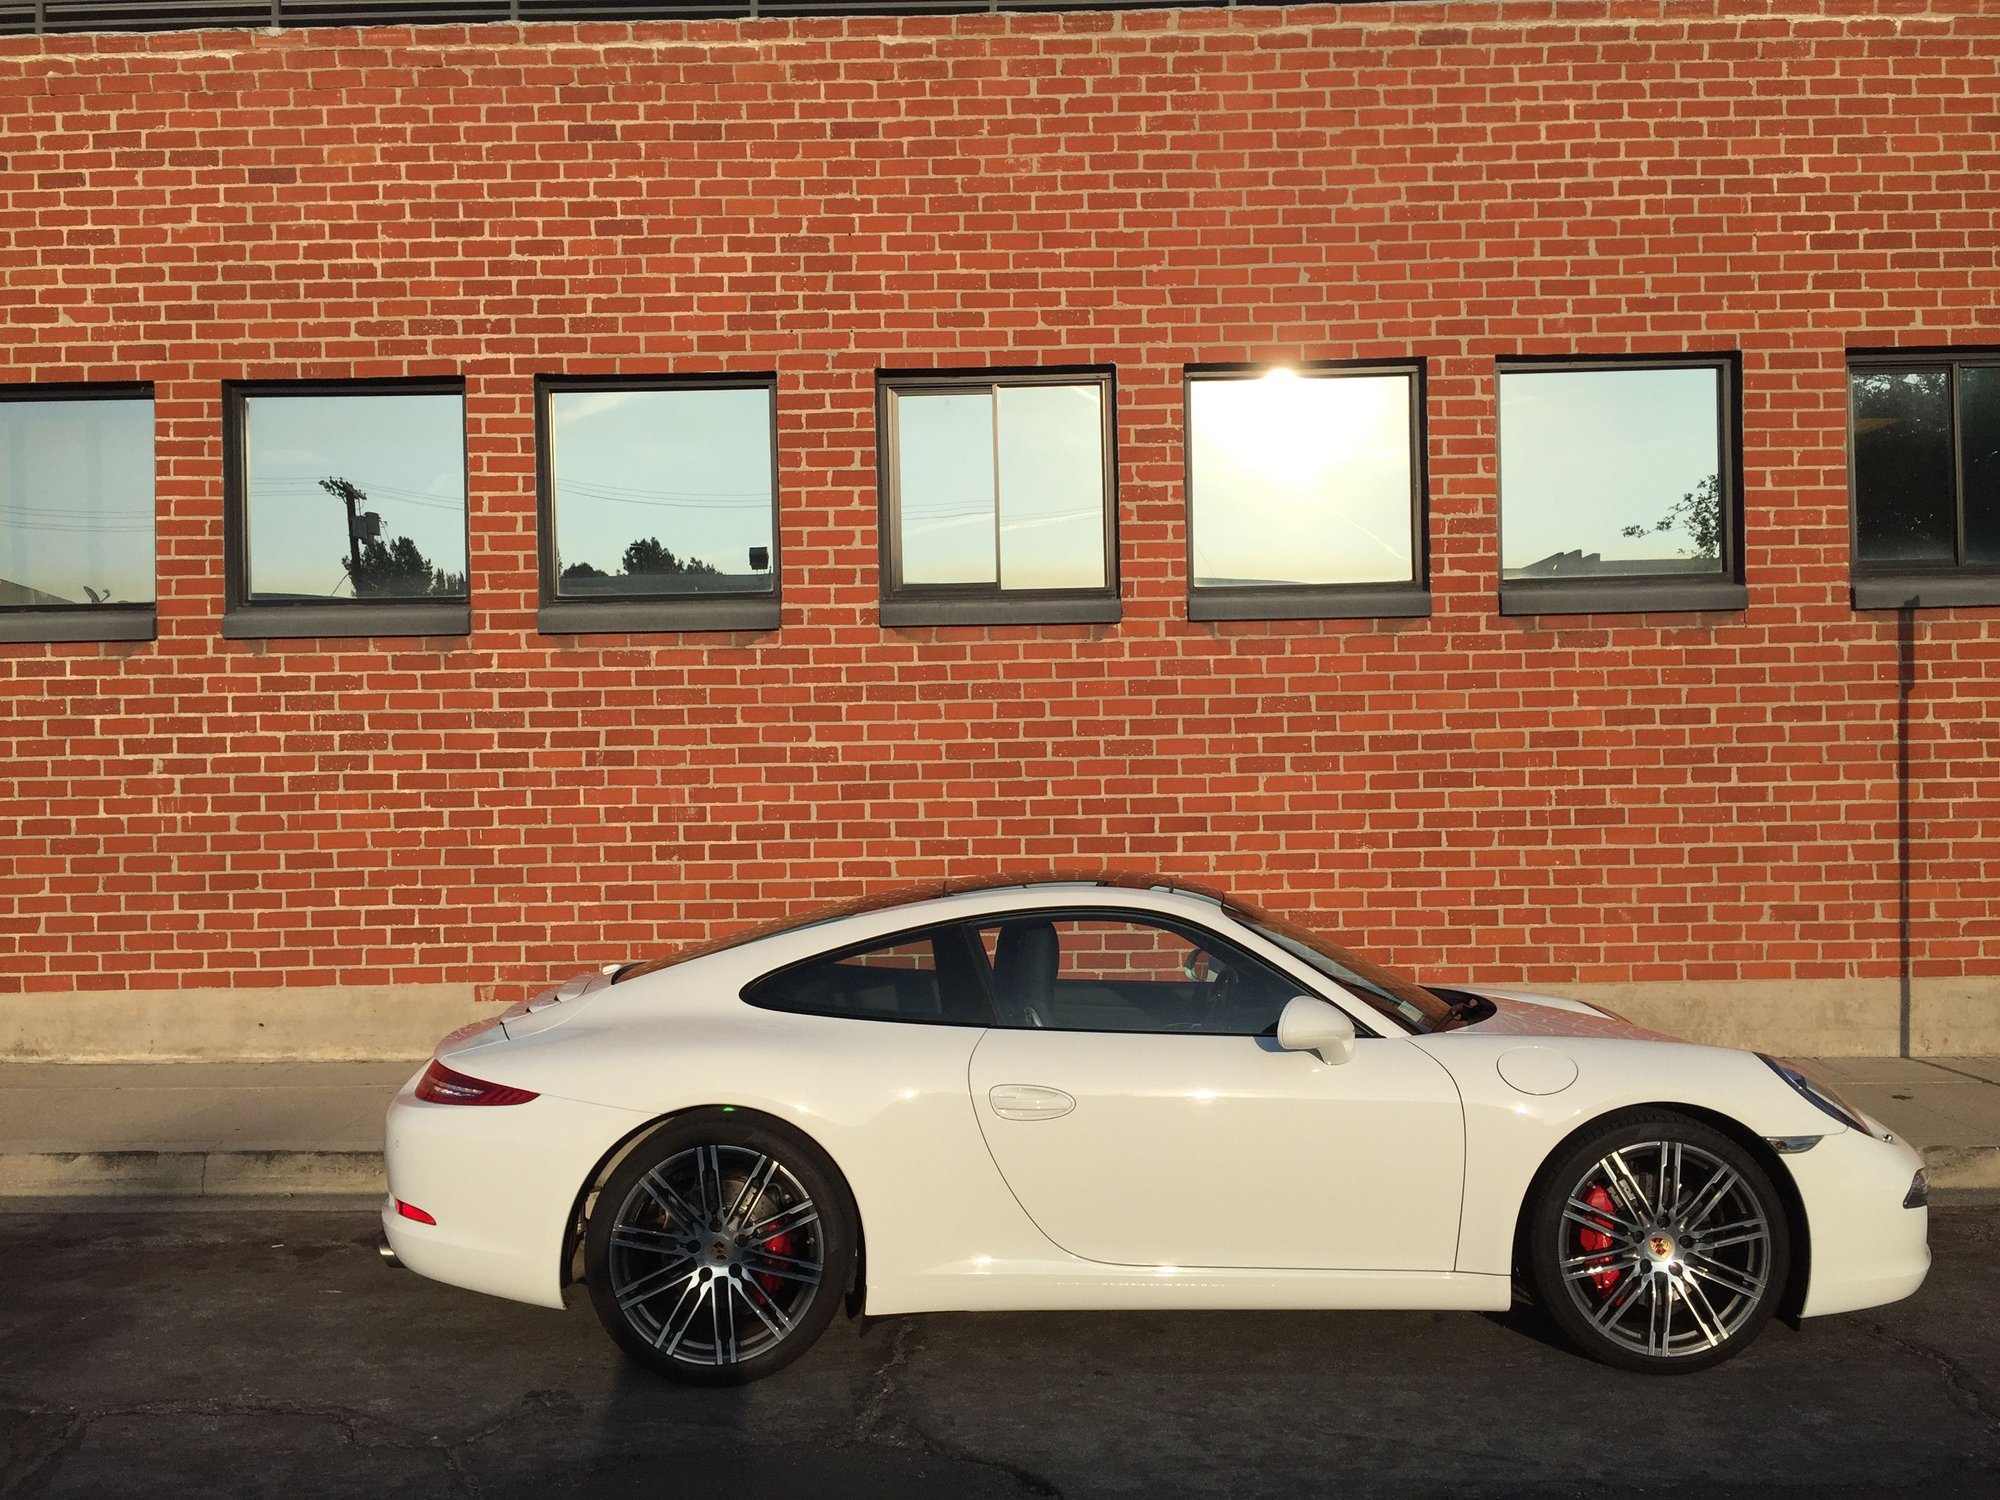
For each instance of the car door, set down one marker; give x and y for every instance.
(1142, 1115)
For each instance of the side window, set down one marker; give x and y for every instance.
(1116, 973)
(924, 977)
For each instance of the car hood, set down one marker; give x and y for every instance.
(1524, 1013)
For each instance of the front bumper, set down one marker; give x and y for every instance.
(1866, 1248)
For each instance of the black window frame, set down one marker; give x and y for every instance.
(1195, 932)
(1640, 593)
(267, 619)
(1913, 585)
(52, 623)
(981, 603)
(558, 614)
(1318, 601)
(952, 930)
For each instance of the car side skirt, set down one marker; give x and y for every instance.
(1081, 1286)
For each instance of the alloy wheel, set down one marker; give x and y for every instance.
(715, 1255)
(1665, 1248)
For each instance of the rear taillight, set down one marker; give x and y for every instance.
(411, 1212)
(441, 1085)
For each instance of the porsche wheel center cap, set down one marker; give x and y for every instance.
(1661, 1247)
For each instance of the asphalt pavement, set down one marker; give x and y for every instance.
(253, 1351)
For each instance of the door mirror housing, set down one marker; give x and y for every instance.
(1308, 1024)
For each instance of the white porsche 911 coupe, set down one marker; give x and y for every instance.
(1112, 1093)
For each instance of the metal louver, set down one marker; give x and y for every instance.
(47, 17)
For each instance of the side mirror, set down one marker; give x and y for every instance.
(1310, 1025)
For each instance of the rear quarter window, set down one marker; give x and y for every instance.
(922, 977)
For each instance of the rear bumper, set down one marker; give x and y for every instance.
(501, 1181)
(1867, 1249)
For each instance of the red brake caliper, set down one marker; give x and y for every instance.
(781, 1244)
(1592, 1241)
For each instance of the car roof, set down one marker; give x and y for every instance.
(1053, 881)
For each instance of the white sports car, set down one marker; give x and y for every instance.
(1110, 1093)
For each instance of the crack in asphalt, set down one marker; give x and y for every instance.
(875, 1425)
(1969, 1392)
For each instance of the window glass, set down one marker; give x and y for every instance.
(662, 492)
(1000, 486)
(922, 977)
(1903, 507)
(1051, 485)
(945, 486)
(1300, 479)
(76, 502)
(1979, 438)
(1611, 472)
(355, 496)
(1077, 973)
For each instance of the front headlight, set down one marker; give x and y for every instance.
(1820, 1094)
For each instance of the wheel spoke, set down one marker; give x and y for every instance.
(1735, 1227)
(797, 1216)
(1697, 1300)
(1618, 1303)
(754, 1186)
(708, 1180)
(725, 1323)
(1602, 1258)
(652, 1285)
(1626, 1185)
(670, 1202)
(801, 1277)
(1749, 1237)
(652, 1241)
(1598, 1267)
(774, 1320)
(1711, 1197)
(690, 1299)
(1602, 1220)
(1672, 1172)
(1740, 1283)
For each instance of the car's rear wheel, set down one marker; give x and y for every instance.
(1659, 1244)
(719, 1250)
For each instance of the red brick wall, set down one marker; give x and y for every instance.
(1642, 797)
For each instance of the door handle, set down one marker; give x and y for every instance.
(1027, 1101)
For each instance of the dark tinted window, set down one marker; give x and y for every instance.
(1074, 972)
(924, 977)
(1979, 443)
(1903, 509)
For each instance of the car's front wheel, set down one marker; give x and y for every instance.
(720, 1248)
(1657, 1243)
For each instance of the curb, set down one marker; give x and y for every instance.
(190, 1174)
(1962, 1166)
(262, 1174)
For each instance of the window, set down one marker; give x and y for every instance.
(658, 503)
(1924, 468)
(1074, 972)
(76, 513)
(1618, 486)
(1305, 492)
(926, 977)
(998, 499)
(345, 508)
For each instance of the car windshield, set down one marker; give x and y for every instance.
(1391, 994)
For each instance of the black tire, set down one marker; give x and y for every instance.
(709, 1292)
(1658, 1244)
